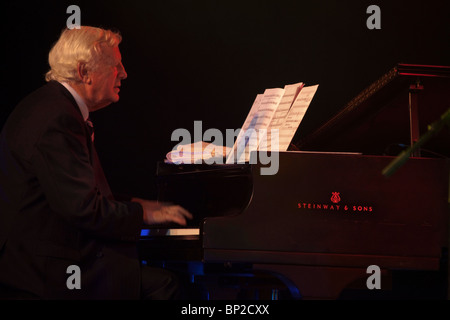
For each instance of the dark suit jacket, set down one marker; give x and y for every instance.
(56, 208)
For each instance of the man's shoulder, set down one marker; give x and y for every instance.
(49, 106)
(49, 95)
(48, 101)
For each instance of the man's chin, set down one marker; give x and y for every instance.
(104, 104)
(115, 98)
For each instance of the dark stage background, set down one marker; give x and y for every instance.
(207, 60)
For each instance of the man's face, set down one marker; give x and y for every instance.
(106, 79)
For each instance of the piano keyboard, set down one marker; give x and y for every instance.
(170, 232)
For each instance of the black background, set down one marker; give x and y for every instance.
(207, 60)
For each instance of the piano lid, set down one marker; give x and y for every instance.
(377, 121)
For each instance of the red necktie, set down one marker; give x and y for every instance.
(90, 126)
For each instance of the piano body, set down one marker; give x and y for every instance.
(328, 213)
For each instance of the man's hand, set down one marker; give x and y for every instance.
(161, 212)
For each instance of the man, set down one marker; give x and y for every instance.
(56, 208)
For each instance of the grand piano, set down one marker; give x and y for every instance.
(313, 230)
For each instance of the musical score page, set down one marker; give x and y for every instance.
(259, 117)
(295, 116)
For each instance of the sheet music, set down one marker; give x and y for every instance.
(295, 116)
(290, 94)
(260, 117)
(269, 126)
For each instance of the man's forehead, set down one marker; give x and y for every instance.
(116, 53)
(111, 53)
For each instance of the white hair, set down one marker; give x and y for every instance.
(75, 46)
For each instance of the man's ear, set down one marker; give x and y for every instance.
(83, 73)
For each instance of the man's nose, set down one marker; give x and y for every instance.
(122, 73)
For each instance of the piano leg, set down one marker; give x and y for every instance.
(315, 282)
(321, 282)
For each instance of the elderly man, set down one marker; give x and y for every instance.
(56, 208)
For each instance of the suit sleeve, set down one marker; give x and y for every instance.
(63, 167)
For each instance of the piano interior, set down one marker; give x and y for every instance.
(314, 229)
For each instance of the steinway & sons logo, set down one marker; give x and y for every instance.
(336, 205)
